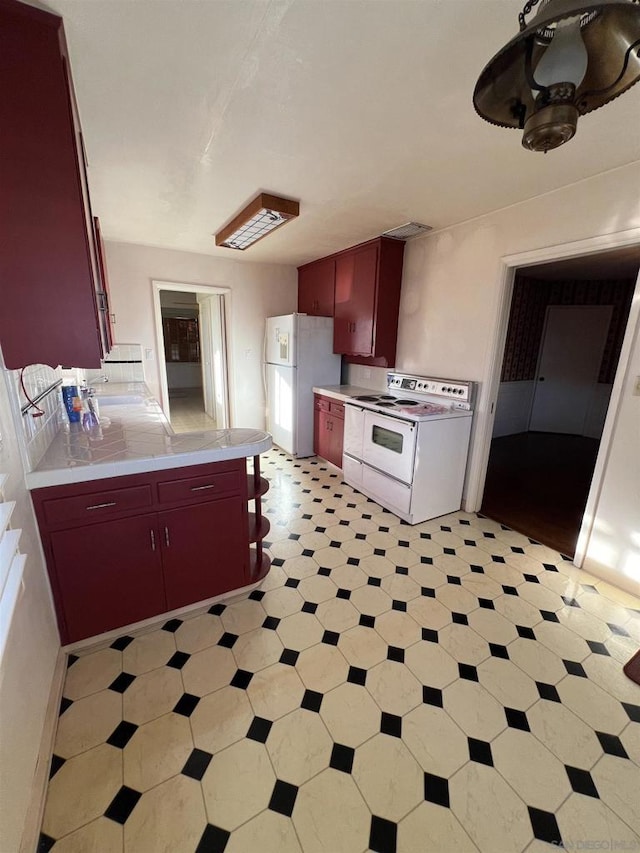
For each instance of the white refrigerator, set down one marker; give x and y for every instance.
(298, 355)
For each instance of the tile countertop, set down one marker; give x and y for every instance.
(134, 437)
(344, 392)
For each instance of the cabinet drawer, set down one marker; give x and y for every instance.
(205, 487)
(323, 404)
(336, 408)
(96, 505)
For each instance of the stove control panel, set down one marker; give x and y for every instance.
(455, 390)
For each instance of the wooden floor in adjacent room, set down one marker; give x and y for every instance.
(537, 483)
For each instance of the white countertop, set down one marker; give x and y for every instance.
(134, 437)
(343, 392)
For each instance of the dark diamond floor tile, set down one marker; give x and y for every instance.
(330, 638)
(480, 751)
(454, 580)
(122, 804)
(228, 640)
(497, 558)
(612, 744)
(172, 625)
(391, 724)
(353, 561)
(427, 561)
(436, 790)
(429, 635)
(517, 719)
(357, 675)
(467, 671)
(45, 843)
(242, 679)
(186, 704)
(396, 654)
(509, 590)
(311, 700)
(517, 550)
(459, 618)
(324, 571)
(402, 570)
(289, 656)
(121, 682)
(582, 781)
(259, 729)
(531, 578)
(574, 668)
(271, 622)
(486, 603)
(367, 621)
(308, 552)
(374, 581)
(549, 616)
(121, 643)
(218, 609)
(478, 570)
(498, 651)
(342, 758)
(122, 734)
(56, 763)
(344, 593)
(401, 606)
(598, 648)
(633, 711)
(292, 583)
(283, 798)
(548, 691)
(65, 704)
(617, 629)
(427, 592)
(432, 696)
(545, 826)
(197, 763)
(525, 632)
(309, 607)
(383, 835)
(213, 840)
(450, 551)
(178, 660)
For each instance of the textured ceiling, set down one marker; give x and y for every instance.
(361, 109)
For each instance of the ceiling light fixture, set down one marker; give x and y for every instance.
(570, 59)
(260, 217)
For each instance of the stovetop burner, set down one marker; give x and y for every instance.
(387, 397)
(366, 398)
(386, 403)
(407, 402)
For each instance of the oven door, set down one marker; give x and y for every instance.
(389, 445)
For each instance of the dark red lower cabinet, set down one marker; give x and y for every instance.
(204, 550)
(109, 574)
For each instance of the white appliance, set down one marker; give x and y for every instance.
(407, 449)
(298, 354)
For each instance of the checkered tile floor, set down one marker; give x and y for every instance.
(451, 686)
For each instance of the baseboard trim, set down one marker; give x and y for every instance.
(33, 822)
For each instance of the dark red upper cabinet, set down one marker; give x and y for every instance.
(367, 300)
(315, 288)
(48, 264)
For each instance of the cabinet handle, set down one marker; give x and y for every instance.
(153, 540)
(200, 488)
(166, 537)
(102, 506)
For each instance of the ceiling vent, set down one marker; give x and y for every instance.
(406, 232)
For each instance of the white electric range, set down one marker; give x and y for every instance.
(407, 448)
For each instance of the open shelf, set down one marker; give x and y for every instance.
(259, 526)
(252, 492)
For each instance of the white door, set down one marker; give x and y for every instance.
(571, 352)
(281, 400)
(280, 340)
(213, 350)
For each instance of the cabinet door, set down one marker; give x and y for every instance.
(108, 575)
(204, 550)
(315, 288)
(48, 313)
(337, 438)
(355, 295)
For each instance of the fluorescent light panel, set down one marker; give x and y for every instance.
(260, 217)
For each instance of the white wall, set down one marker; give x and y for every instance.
(30, 655)
(513, 407)
(184, 374)
(257, 291)
(450, 305)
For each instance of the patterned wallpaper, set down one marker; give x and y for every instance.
(526, 321)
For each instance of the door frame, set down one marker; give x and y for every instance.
(486, 405)
(157, 286)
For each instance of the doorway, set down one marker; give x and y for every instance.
(566, 326)
(192, 362)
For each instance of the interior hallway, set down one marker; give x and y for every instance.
(538, 483)
(187, 410)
